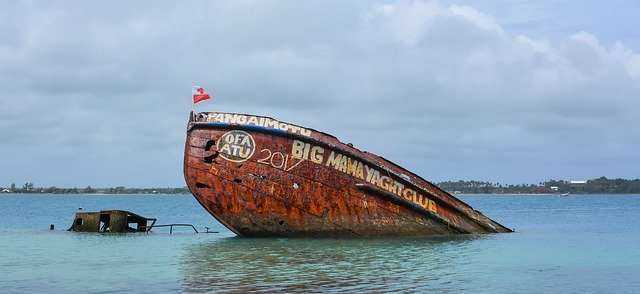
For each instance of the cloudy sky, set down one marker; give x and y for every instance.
(97, 93)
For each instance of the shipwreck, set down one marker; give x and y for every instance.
(114, 221)
(259, 176)
(118, 221)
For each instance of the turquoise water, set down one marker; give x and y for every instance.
(570, 244)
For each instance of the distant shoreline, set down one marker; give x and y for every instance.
(599, 186)
(96, 194)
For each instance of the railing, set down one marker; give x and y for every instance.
(170, 227)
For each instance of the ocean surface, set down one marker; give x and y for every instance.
(575, 244)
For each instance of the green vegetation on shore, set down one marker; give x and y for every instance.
(29, 188)
(600, 185)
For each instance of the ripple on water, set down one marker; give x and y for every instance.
(268, 265)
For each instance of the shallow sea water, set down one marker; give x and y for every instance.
(570, 244)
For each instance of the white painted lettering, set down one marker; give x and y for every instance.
(316, 154)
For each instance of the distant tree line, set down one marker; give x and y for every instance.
(600, 185)
(29, 188)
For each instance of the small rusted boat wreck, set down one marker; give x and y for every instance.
(113, 221)
(262, 177)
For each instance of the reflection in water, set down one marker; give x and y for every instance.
(268, 265)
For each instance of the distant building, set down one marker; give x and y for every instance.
(554, 188)
(578, 182)
(6, 190)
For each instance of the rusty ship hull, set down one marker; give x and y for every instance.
(262, 177)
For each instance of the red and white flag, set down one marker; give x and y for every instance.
(199, 94)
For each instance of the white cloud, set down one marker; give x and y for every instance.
(441, 89)
(407, 21)
(629, 59)
(476, 17)
(523, 43)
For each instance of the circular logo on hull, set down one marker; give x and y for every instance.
(236, 146)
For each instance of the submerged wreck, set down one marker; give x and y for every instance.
(118, 221)
(262, 177)
(114, 221)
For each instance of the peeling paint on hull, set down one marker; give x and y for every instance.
(262, 177)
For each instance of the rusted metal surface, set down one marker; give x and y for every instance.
(262, 177)
(114, 221)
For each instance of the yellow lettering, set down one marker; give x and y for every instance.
(235, 149)
(316, 154)
(245, 141)
(237, 139)
(343, 164)
(408, 194)
(384, 182)
(245, 152)
(352, 166)
(375, 179)
(297, 149)
(307, 146)
(333, 160)
(369, 173)
(229, 138)
(400, 187)
(359, 171)
(423, 201)
(393, 188)
(432, 206)
(225, 149)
